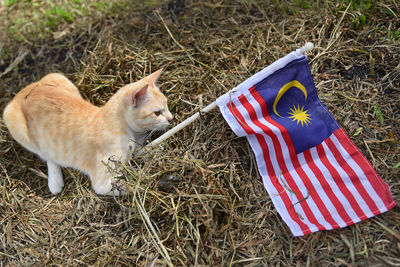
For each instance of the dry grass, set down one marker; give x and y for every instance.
(199, 200)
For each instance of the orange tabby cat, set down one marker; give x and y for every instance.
(51, 119)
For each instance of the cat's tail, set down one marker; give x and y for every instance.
(15, 120)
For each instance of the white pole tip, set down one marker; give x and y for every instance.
(307, 47)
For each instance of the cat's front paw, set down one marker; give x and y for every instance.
(111, 187)
(55, 178)
(56, 186)
(119, 190)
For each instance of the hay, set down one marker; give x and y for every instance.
(199, 200)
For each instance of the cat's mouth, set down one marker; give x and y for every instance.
(158, 127)
(162, 127)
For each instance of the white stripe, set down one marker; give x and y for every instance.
(334, 186)
(289, 164)
(293, 197)
(346, 180)
(232, 121)
(359, 172)
(321, 192)
(272, 191)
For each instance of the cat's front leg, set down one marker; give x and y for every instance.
(104, 183)
(55, 178)
(110, 187)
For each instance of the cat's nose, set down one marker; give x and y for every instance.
(169, 118)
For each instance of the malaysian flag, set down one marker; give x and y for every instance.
(314, 174)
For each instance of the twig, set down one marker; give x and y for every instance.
(16, 61)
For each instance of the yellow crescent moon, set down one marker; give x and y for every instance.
(283, 90)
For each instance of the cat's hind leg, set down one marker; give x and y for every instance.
(16, 123)
(56, 181)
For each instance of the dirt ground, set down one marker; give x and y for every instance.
(199, 200)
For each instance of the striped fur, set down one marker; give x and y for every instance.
(52, 120)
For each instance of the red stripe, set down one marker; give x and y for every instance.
(353, 177)
(327, 188)
(294, 158)
(282, 192)
(339, 182)
(285, 172)
(264, 110)
(381, 188)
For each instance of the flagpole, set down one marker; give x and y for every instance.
(182, 125)
(305, 48)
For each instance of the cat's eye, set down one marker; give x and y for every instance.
(157, 113)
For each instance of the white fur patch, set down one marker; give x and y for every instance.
(56, 181)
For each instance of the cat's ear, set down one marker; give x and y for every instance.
(152, 78)
(137, 97)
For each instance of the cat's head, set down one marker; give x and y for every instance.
(145, 106)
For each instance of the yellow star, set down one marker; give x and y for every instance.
(300, 115)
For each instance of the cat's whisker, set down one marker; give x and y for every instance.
(149, 134)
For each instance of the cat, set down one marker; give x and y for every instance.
(51, 119)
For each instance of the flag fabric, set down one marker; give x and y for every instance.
(314, 174)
